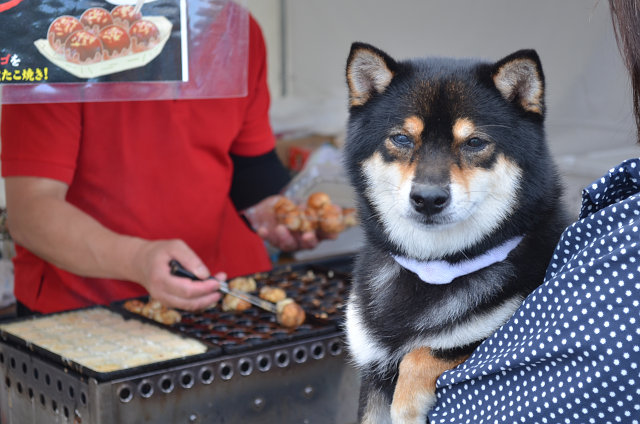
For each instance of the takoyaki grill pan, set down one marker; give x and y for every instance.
(321, 290)
(256, 370)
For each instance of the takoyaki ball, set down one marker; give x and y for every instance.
(330, 220)
(115, 41)
(245, 284)
(318, 200)
(290, 314)
(124, 16)
(234, 304)
(272, 294)
(95, 19)
(144, 35)
(60, 29)
(83, 47)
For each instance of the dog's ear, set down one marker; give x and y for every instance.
(369, 71)
(519, 78)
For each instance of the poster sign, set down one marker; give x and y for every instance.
(61, 50)
(92, 40)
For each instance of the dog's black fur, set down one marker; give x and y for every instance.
(390, 308)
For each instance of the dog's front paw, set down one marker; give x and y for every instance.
(413, 410)
(415, 392)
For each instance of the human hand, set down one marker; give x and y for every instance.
(262, 218)
(151, 265)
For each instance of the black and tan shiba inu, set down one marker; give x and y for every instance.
(459, 200)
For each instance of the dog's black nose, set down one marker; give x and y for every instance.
(429, 200)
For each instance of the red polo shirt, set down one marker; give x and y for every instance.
(153, 169)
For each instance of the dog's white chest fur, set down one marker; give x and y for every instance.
(368, 352)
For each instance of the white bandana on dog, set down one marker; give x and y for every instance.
(443, 272)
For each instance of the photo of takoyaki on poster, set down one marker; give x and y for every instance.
(111, 40)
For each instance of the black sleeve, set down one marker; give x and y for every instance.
(256, 177)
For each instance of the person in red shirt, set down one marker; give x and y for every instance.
(101, 196)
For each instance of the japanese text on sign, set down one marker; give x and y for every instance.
(23, 74)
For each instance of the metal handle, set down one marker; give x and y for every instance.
(180, 271)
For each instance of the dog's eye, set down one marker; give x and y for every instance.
(401, 140)
(475, 143)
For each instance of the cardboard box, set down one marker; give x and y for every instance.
(294, 152)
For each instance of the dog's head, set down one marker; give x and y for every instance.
(445, 152)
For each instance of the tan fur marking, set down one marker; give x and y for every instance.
(403, 171)
(415, 390)
(461, 177)
(464, 175)
(408, 172)
(463, 128)
(414, 126)
(512, 75)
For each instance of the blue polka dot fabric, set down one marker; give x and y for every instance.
(571, 352)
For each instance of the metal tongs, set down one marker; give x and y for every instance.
(180, 271)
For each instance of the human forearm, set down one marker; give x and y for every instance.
(42, 221)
